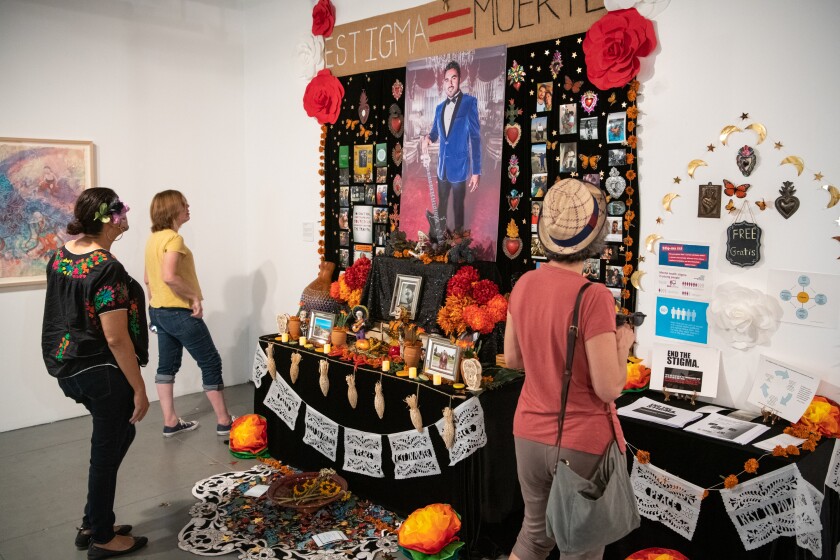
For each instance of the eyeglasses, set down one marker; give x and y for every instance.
(633, 319)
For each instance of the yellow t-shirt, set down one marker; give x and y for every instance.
(162, 295)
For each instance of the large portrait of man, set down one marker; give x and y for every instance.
(453, 147)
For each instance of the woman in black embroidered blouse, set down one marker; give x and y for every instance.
(94, 341)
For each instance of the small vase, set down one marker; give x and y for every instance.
(411, 355)
(294, 328)
(338, 337)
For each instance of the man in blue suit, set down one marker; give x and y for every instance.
(457, 127)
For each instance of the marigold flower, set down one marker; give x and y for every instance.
(628, 241)
(705, 495)
(779, 451)
(625, 294)
(730, 481)
(631, 126)
(630, 192)
(629, 158)
(630, 175)
(632, 112)
(628, 269)
(823, 416)
(643, 457)
(632, 140)
(484, 290)
(628, 256)
(792, 450)
(809, 444)
(631, 95)
(751, 466)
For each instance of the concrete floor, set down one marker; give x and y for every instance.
(43, 480)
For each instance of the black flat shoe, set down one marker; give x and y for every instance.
(96, 553)
(83, 538)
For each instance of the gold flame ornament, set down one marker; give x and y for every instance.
(448, 434)
(795, 161)
(269, 360)
(294, 371)
(668, 199)
(726, 131)
(760, 130)
(692, 167)
(379, 400)
(352, 394)
(324, 381)
(650, 241)
(636, 279)
(834, 193)
(414, 412)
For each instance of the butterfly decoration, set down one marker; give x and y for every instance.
(569, 85)
(589, 161)
(730, 206)
(350, 123)
(611, 98)
(761, 204)
(364, 132)
(731, 190)
(551, 145)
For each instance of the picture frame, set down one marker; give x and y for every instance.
(443, 358)
(406, 294)
(320, 325)
(46, 178)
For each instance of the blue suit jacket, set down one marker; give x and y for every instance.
(460, 150)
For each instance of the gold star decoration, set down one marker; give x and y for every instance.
(554, 133)
(546, 52)
(579, 70)
(641, 258)
(710, 148)
(533, 55)
(677, 180)
(557, 42)
(531, 92)
(539, 69)
(745, 116)
(580, 40)
(624, 105)
(778, 145)
(658, 220)
(818, 176)
(601, 173)
(574, 55)
(533, 115)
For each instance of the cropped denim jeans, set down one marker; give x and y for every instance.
(176, 329)
(106, 393)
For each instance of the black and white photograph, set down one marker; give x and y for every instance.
(536, 247)
(380, 234)
(592, 179)
(538, 129)
(613, 277)
(568, 119)
(615, 228)
(344, 176)
(442, 357)
(538, 161)
(406, 294)
(357, 193)
(617, 157)
(616, 128)
(568, 157)
(589, 128)
(343, 258)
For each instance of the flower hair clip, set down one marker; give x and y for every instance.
(102, 215)
(116, 211)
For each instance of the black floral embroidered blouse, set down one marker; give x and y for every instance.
(80, 288)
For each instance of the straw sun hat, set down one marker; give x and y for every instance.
(572, 216)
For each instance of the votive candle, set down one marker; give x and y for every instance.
(284, 337)
(437, 379)
(386, 365)
(412, 373)
(302, 341)
(327, 348)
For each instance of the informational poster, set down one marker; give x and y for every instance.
(687, 369)
(783, 389)
(807, 298)
(684, 271)
(362, 224)
(682, 319)
(727, 428)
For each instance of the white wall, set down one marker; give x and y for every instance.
(157, 86)
(203, 95)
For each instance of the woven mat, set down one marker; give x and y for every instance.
(226, 521)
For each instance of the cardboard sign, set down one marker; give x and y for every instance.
(743, 244)
(391, 40)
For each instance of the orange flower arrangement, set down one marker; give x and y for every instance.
(348, 288)
(471, 303)
(822, 416)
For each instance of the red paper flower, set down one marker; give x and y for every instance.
(323, 18)
(613, 46)
(322, 98)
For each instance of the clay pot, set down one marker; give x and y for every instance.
(294, 328)
(411, 355)
(338, 337)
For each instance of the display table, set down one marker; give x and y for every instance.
(701, 461)
(482, 488)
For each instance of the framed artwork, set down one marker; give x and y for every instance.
(320, 326)
(406, 294)
(442, 357)
(39, 183)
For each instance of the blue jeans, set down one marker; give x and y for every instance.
(106, 393)
(177, 329)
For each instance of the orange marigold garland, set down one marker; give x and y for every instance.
(643, 457)
(751, 466)
(730, 481)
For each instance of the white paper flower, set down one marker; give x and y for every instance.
(744, 317)
(310, 53)
(646, 8)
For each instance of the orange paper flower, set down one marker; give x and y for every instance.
(249, 433)
(429, 529)
(822, 416)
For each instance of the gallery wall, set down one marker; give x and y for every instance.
(204, 96)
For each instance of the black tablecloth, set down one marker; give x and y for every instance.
(483, 488)
(702, 461)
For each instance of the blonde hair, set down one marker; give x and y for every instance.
(166, 205)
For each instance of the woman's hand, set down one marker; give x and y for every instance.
(625, 338)
(141, 406)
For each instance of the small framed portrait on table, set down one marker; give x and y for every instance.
(442, 357)
(406, 294)
(320, 326)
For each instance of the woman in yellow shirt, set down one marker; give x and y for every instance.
(175, 313)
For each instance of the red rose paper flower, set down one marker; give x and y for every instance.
(613, 46)
(322, 98)
(323, 18)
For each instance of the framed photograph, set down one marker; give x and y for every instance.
(343, 258)
(381, 174)
(545, 90)
(442, 357)
(568, 118)
(41, 180)
(406, 294)
(538, 185)
(344, 176)
(613, 276)
(538, 129)
(357, 193)
(615, 228)
(617, 157)
(370, 194)
(536, 247)
(363, 163)
(616, 128)
(589, 128)
(381, 155)
(344, 196)
(538, 158)
(344, 238)
(592, 269)
(568, 157)
(320, 326)
(381, 195)
(536, 208)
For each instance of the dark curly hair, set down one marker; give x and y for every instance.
(86, 207)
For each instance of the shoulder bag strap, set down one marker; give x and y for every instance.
(571, 340)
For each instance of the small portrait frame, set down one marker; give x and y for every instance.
(617, 128)
(320, 325)
(443, 358)
(589, 128)
(406, 294)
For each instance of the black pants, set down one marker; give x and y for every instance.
(106, 393)
(459, 191)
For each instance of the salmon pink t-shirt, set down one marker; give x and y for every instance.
(541, 305)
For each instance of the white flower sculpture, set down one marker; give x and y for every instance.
(646, 8)
(310, 53)
(745, 317)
